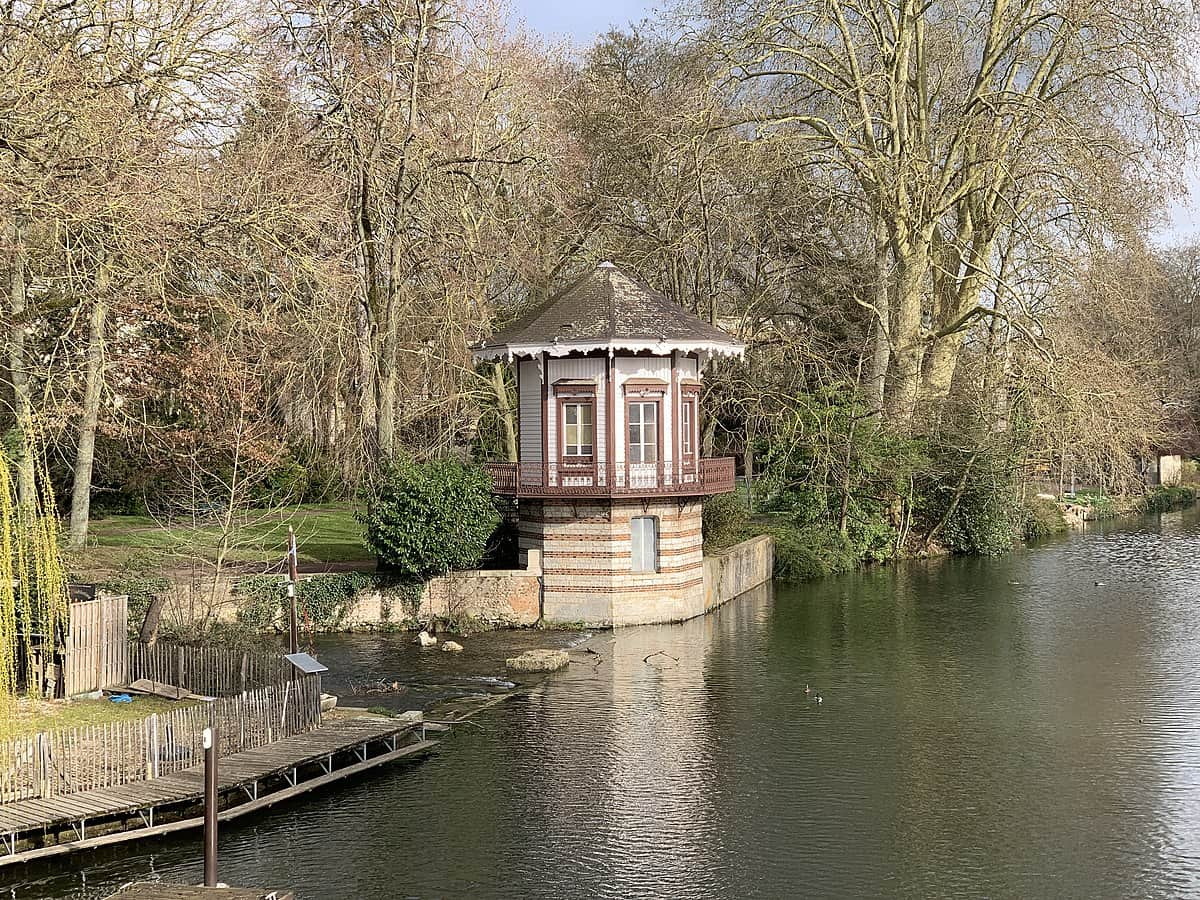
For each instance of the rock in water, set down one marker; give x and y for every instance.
(538, 661)
(451, 647)
(425, 639)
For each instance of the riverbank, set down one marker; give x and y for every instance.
(461, 602)
(810, 551)
(465, 603)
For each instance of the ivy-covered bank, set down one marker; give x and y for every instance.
(326, 602)
(977, 523)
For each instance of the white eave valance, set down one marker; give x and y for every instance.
(565, 348)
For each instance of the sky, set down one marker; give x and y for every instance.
(582, 20)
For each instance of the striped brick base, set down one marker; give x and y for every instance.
(586, 560)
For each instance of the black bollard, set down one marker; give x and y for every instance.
(210, 807)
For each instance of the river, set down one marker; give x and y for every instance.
(1020, 727)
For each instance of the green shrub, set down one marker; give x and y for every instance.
(286, 482)
(1041, 518)
(870, 531)
(424, 519)
(725, 519)
(1169, 497)
(965, 501)
(805, 552)
(303, 478)
(981, 523)
(1102, 507)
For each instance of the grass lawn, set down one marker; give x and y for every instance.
(32, 716)
(325, 534)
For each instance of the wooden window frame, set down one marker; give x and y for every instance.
(575, 395)
(575, 460)
(657, 400)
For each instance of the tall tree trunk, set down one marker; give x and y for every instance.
(881, 353)
(17, 364)
(748, 466)
(912, 259)
(85, 455)
(978, 241)
(364, 403)
(947, 346)
(943, 360)
(500, 386)
(389, 382)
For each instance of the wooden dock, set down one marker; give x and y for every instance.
(249, 781)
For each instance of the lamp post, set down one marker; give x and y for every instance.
(293, 576)
(210, 807)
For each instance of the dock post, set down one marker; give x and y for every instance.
(210, 808)
(293, 577)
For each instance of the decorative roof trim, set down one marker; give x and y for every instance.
(565, 348)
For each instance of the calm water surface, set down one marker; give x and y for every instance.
(990, 728)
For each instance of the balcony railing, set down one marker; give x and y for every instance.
(710, 476)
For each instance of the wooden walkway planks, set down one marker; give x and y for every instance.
(241, 770)
(225, 815)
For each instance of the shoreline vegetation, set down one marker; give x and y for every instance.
(143, 565)
(804, 552)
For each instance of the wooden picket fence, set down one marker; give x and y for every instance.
(97, 650)
(64, 761)
(208, 671)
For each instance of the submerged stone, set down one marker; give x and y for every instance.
(452, 647)
(538, 661)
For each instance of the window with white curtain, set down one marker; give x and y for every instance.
(644, 543)
(643, 432)
(577, 429)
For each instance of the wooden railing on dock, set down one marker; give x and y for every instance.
(55, 763)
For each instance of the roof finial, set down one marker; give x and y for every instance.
(607, 264)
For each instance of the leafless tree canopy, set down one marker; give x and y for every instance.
(268, 233)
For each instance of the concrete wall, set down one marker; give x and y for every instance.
(739, 569)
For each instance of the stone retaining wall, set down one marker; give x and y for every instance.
(515, 597)
(502, 598)
(739, 569)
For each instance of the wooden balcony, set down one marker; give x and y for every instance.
(710, 476)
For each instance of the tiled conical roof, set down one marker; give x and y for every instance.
(607, 309)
